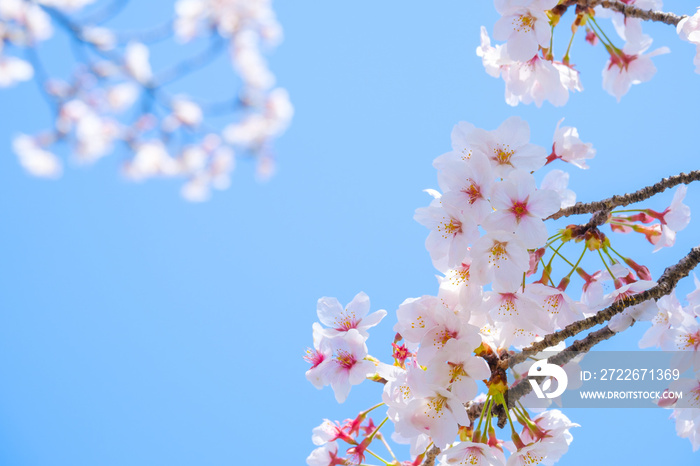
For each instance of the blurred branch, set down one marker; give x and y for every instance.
(105, 14)
(150, 36)
(198, 61)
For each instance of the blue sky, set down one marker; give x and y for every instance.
(136, 328)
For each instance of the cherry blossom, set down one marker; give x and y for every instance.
(462, 371)
(569, 148)
(557, 181)
(136, 62)
(414, 317)
(466, 184)
(118, 96)
(435, 410)
(688, 29)
(347, 367)
(524, 25)
(500, 257)
(14, 70)
(341, 319)
(35, 159)
(325, 455)
(643, 311)
(671, 315)
(520, 208)
(630, 66)
(537, 80)
(628, 26)
(451, 232)
(546, 453)
(322, 351)
(508, 147)
(476, 454)
(495, 59)
(562, 309)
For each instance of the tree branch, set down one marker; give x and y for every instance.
(665, 285)
(577, 347)
(430, 456)
(629, 11)
(637, 196)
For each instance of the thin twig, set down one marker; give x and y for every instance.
(627, 199)
(430, 456)
(629, 11)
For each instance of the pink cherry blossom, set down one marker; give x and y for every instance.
(521, 208)
(320, 353)
(325, 455)
(630, 66)
(347, 367)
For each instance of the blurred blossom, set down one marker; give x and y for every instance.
(115, 98)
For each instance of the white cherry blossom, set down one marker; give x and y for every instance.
(500, 257)
(688, 29)
(569, 147)
(14, 70)
(525, 25)
(341, 320)
(451, 232)
(35, 159)
(470, 453)
(557, 180)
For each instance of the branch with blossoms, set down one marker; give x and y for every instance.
(510, 288)
(506, 284)
(665, 285)
(527, 64)
(609, 204)
(115, 99)
(629, 10)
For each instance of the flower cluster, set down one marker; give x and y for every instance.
(114, 96)
(498, 292)
(339, 356)
(676, 328)
(527, 64)
(689, 30)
